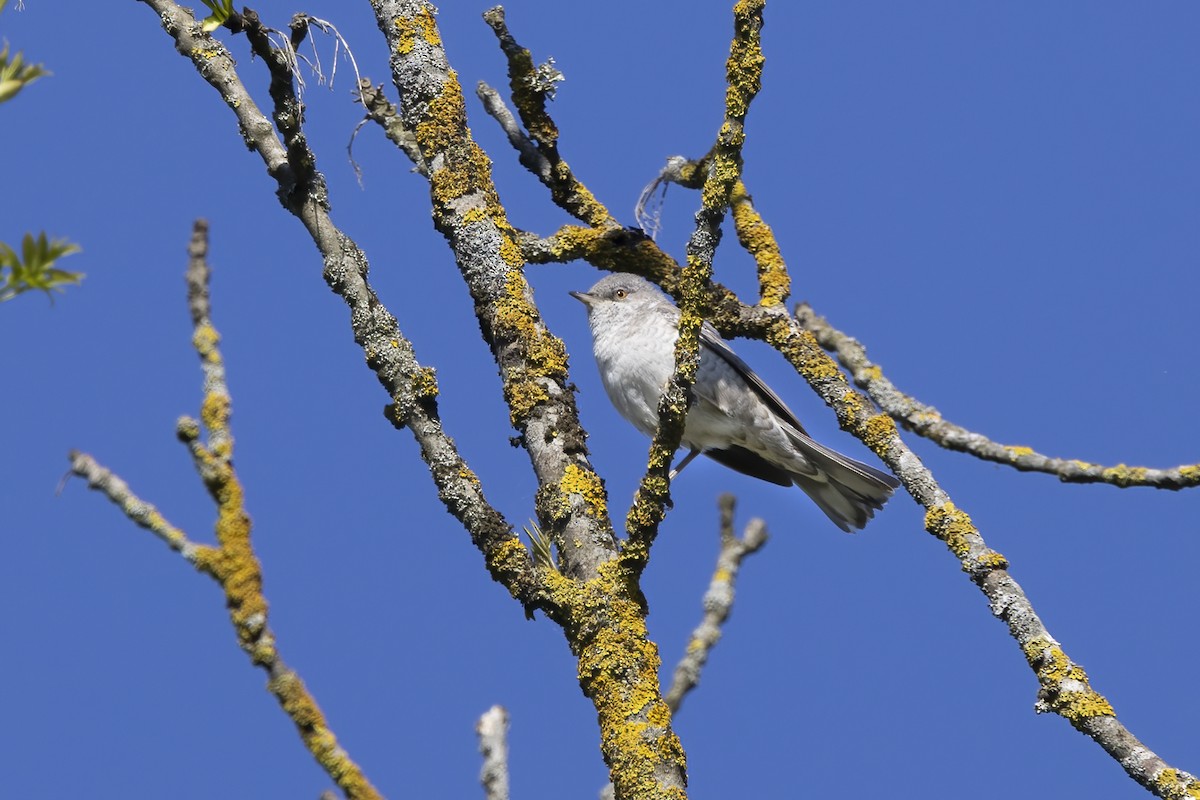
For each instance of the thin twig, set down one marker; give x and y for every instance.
(531, 88)
(926, 421)
(383, 112)
(754, 234)
(718, 601)
(492, 730)
(743, 80)
(141, 513)
(411, 386)
(233, 562)
(1064, 687)
(528, 154)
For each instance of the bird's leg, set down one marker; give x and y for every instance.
(686, 460)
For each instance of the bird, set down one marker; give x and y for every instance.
(734, 418)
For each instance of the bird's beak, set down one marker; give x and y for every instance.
(583, 297)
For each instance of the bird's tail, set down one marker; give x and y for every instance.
(848, 491)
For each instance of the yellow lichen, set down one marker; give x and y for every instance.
(214, 412)
(1173, 783)
(952, 526)
(1016, 451)
(1078, 706)
(508, 556)
(522, 396)
(424, 383)
(205, 340)
(853, 409)
(879, 432)
(991, 560)
(1074, 701)
(510, 253)
(1123, 475)
(421, 26)
(803, 352)
(757, 238)
(586, 484)
(618, 669)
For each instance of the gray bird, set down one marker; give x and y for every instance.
(734, 418)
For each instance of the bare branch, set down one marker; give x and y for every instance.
(141, 513)
(383, 112)
(926, 421)
(492, 729)
(529, 155)
(1064, 686)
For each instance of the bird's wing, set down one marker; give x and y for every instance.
(712, 341)
(750, 463)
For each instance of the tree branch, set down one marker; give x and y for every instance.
(1064, 686)
(233, 562)
(754, 234)
(925, 421)
(718, 600)
(412, 387)
(571, 503)
(743, 80)
(603, 615)
(492, 729)
(531, 87)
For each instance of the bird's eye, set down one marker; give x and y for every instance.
(620, 294)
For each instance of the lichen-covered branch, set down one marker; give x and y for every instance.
(743, 80)
(527, 151)
(411, 386)
(926, 421)
(718, 600)
(571, 504)
(233, 563)
(1064, 686)
(612, 249)
(600, 608)
(754, 234)
(530, 88)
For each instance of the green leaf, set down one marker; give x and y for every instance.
(35, 269)
(221, 11)
(543, 549)
(15, 74)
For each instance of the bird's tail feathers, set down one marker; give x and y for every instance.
(848, 491)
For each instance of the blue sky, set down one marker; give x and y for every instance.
(999, 200)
